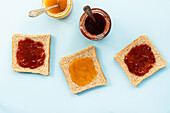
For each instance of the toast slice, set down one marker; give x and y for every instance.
(160, 61)
(87, 52)
(45, 40)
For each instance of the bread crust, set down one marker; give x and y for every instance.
(160, 61)
(99, 80)
(45, 39)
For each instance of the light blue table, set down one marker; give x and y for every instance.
(33, 93)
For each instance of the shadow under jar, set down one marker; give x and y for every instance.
(95, 30)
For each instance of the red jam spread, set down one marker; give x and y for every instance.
(140, 59)
(30, 54)
(97, 27)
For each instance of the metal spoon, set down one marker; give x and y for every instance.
(37, 12)
(88, 11)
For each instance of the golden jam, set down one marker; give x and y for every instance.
(62, 4)
(82, 71)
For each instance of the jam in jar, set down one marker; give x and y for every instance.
(62, 11)
(98, 30)
(62, 5)
(30, 54)
(97, 27)
(140, 59)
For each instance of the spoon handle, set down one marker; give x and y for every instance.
(37, 12)
(88, 11)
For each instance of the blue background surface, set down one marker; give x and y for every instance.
(33, 93)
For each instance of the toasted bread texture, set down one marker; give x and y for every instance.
(45, 40)
(87, 52)
(160, 61)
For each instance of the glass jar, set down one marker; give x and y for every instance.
(106, 28)
(62, 14)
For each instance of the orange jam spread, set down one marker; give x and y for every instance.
(82, 71)
(62, 5)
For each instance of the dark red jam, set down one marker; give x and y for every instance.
(30, 54)
(140, 59)
(97, 27)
